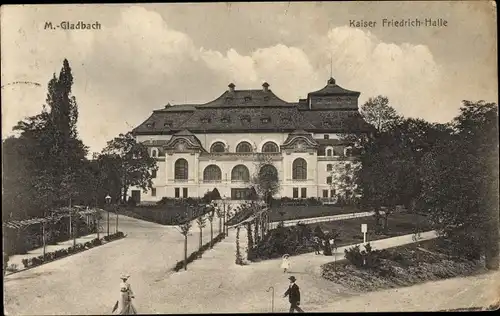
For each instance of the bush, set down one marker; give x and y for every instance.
(284, 240)
(367, 258)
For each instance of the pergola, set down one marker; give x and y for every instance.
(55, 216)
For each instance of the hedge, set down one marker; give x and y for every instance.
(61, 253)
(197, 254)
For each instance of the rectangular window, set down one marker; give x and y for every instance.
(295, 193)
(177, 193)
(326, 136)
(325, 193)
(184, 192)
(332, 193)
(303, 193)
(153, 191)
(329, 167)
(153, 174)
(329, 180)
(239, 194)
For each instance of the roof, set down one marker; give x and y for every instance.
(332, 88)
(247, 98)
(254, 111)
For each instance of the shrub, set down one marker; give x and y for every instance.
(283, 240)
(26, 263)
(367, 258)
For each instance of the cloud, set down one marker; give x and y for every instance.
(139, 63)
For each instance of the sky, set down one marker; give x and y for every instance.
(145, 56)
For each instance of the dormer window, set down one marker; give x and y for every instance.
(248, 98)
(168, 123)
(151, 124)
(225, 119)
(205, 120)
(265, 120)
(229, 99)
(246, 119)
(266, 98)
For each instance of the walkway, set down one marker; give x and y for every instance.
(340, 217)
(87, 282)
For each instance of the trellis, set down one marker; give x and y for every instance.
(55, 216)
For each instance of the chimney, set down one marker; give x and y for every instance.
(265, 86)
(231, 87)
(168, 105)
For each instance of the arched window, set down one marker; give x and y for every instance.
(181, 169)
(270, 147)
(329, 167)
(269, 173)
(212, 173)
(329, 152)
(218, 147)
(240, 173)
(244, 147)
(154, 152)
(299, 169)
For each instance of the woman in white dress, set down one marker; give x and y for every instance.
(124, 304)
(285, 263)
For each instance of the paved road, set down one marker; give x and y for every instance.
(88, 282)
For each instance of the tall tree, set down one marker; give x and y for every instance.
(379, 113)
(51, 152)
(265, 180)
(460, 183)
(133, 162)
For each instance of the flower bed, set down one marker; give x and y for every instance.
(61, 253)
(197, 254)
(372, 270)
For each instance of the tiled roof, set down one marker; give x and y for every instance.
(333, 89)
(255, 111)
(247, 98)
(237, 119)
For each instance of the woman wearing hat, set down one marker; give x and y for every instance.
(285, 263)
(124, 304)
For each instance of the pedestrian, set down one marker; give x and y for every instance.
(293, 294)
(124, 304)
(285, 263)
(317, 246)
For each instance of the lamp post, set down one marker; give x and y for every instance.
(108, 202)
(116, 210)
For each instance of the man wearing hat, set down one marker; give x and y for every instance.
(293, 294)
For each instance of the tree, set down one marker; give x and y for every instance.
(390, 173)
(210, 217)
(135, 164)
(201, 221)
(184, 229)
(49, 151)
(239, 259)
(379, 113)
(265, 181)
(460, 183)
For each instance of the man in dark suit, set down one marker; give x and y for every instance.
(293, 294)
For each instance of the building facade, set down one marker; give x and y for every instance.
(222, 144)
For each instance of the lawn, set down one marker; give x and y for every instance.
(350, 229)
(401, 266)
(305, 211)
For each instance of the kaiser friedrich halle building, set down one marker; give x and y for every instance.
(200, 147)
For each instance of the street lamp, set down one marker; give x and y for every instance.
(108, 202)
